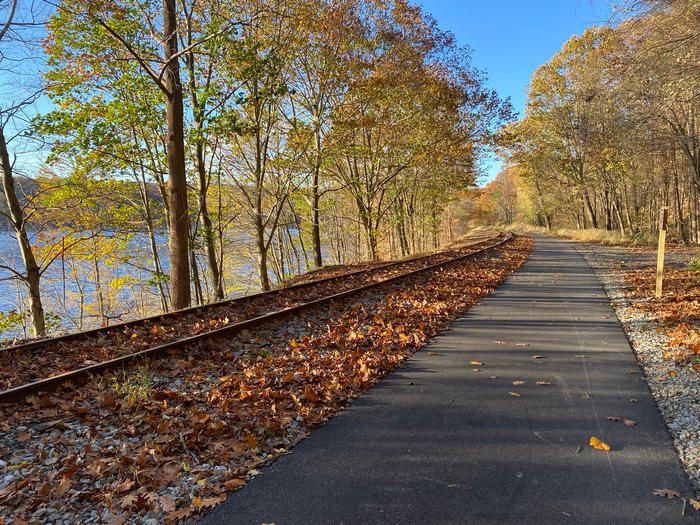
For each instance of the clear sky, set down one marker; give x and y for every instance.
(511, 38)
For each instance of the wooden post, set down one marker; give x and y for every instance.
(663, 223)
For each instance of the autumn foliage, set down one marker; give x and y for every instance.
(677, 311)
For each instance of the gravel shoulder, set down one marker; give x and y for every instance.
(675, 388)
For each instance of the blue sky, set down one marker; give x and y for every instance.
(511, 38)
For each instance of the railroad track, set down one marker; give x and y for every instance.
(224, 318)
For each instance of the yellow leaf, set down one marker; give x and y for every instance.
(476, 363)
(598, 444)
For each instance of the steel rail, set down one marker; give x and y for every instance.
(204, 308)
(81, 374)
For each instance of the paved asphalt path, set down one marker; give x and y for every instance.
(436, 442)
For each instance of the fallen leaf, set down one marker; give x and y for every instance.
(544, 383)
(63, 486)
(666, 493)
(514, 394)
(673, 373)
(518, 383)
(613, 418)
(522, 344)
(694, 503)
(476, 363)
(167, 504)
(538, 357)
(119, 520)
(44, 490)
(213, 501)
(493, 377)
(125, 486)
(629, 422)
(174, 516)
(433, 353)
(310, 395)
(598, 444)
(251, 440)
(500, 342)
(234, 484)
(476, 369)
(23, 436)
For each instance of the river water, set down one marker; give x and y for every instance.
(130, 294)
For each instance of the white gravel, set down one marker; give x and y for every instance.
(678, 398)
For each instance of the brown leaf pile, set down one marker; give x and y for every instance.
(173, 440)
(677, 311)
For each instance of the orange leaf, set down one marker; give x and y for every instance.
(251, 440)
(310, 395)
(233, 484)
(598, 444)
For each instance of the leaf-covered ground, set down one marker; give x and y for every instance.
(169, 439)
(677, 311)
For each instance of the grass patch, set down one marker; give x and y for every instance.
(593, 235)
(134, 387)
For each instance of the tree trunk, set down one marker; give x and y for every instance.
(177, 180)
(262, 252)
(590, 209)
(315, 198)
(99, 295)
(33, 273)
(209, 241)
(157, 268)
